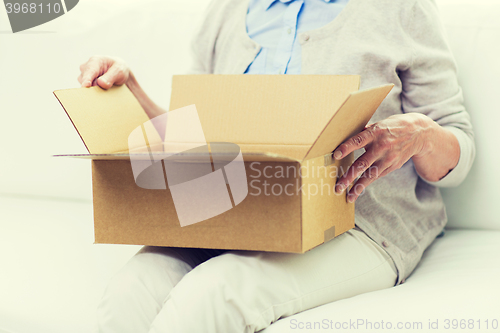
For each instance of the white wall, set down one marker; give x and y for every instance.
(152, 36)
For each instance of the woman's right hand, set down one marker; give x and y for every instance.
(104, 71)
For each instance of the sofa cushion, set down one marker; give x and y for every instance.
(456, 280)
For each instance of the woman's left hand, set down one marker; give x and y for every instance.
(389, 144)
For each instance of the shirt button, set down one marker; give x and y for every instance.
(305, 38)
(385, 244)
(288, 31)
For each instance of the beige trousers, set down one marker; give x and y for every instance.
(165, 290)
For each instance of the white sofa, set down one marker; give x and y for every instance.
(52, 276)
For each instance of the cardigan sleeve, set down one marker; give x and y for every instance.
(430, 85)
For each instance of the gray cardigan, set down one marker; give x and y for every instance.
(384, 41)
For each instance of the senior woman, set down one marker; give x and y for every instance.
(420, 138)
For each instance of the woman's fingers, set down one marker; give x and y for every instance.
(382, 167)
(373, 173)
(389, 144)
(356, 142)
(90, 70)
(117, 74)
(362, 164)
(105, 82)
(103, 71)
(369, 176)
(88, 75)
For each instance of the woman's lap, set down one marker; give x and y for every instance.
(186, 290)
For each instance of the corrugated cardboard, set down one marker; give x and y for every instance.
(280, 122)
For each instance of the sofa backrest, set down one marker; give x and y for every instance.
(473, 29)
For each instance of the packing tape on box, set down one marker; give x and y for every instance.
(329, 234)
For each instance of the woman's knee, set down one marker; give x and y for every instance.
(148, 276)
(211, 292)
(136, 293)
(228, 283)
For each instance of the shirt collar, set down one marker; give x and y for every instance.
(268, 3)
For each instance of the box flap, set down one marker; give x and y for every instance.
(348, 120)
(263, 109)
(187, 158)
(269, 116)
(104, 119)
(156, 153)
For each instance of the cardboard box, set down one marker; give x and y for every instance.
(281, 123)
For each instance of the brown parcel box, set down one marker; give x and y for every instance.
(282, 122)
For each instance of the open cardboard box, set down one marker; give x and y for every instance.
(286, 127)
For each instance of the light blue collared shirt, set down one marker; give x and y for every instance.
(275, 24)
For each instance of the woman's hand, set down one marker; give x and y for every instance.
(390, 143)
(104, 71)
